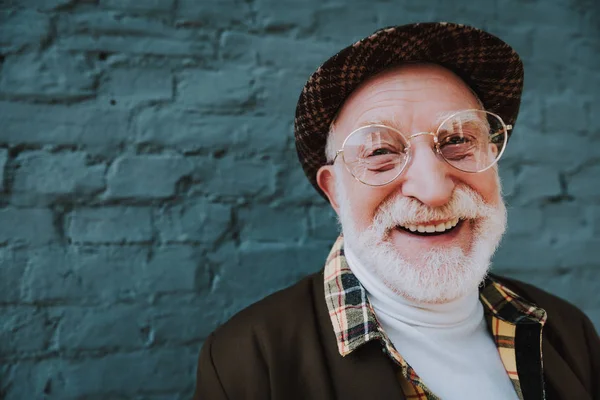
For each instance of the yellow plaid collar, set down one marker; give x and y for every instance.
(354, 321)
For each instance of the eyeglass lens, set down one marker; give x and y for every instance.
(470, 141)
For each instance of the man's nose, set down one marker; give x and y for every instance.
(427, 178)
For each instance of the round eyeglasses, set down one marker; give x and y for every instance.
(469, 140)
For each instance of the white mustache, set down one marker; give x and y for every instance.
(464, 204)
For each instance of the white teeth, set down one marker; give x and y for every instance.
(441, 227)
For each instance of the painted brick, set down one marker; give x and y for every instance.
(176, 47)
(114, 23)
(96, 275)
(13, 262)
(56, 174)
(531, 116)
(192, 130)
(195, 222)
(239, 178)
(280, 89)
(159, 369)
(50, 276)
(85, 275)
(213, 13)
(323, 224)
(547, 79)
(279, 52)
(332, 21)
(464, 12)
(581, 184)
(552, 44)
(129, 87)
(262, 269)
(110, 225)
(565, 115)
(146, 176)
(593, 218)
(59, 76)
(524, 221)
(239, 47)
(139, 5)
(40, 375)
(585, 249)
(25, 329)
(216, 89)
(586, 81)
(534, 183)
(412, 10)
(175, 268)
(120, 326)
(575, 284)
(553, 14)
(567, 220)
(550, 149)
(296, 187)
(533, 254)
(267, 224)
(594, 315)
(44, 5)
(278, 15)
(21, 28)
(62, 125)
(508, 179)
(3, 161)
(185, 313)
(33, 226)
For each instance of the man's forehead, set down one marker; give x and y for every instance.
(364, 106)
(407, 73)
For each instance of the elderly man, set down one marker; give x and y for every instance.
(402, 132)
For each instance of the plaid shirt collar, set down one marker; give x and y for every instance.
(354, 323)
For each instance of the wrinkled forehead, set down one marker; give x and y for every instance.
(430, 86)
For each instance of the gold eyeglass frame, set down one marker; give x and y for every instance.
(435, 142)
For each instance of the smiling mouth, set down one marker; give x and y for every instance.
(431, 230)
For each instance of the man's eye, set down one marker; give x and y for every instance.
(455, 140)
(380, 152)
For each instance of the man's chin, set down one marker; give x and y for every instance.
(436, 275)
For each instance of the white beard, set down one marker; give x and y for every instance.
(441, 274)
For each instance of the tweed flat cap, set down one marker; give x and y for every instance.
(489, 66)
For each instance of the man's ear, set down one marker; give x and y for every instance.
(326, 181)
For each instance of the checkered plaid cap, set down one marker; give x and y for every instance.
(488, 65)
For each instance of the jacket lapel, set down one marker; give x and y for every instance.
(366, 373)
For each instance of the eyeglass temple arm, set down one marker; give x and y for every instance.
(508, 128)
(337, 153)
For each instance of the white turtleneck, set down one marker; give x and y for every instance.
(448, 345)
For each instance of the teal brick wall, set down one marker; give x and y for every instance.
(149, 186)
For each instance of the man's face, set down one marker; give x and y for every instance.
(429, 191)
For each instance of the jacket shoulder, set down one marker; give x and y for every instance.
(243, 358)
(279, 309)
(556, 307)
